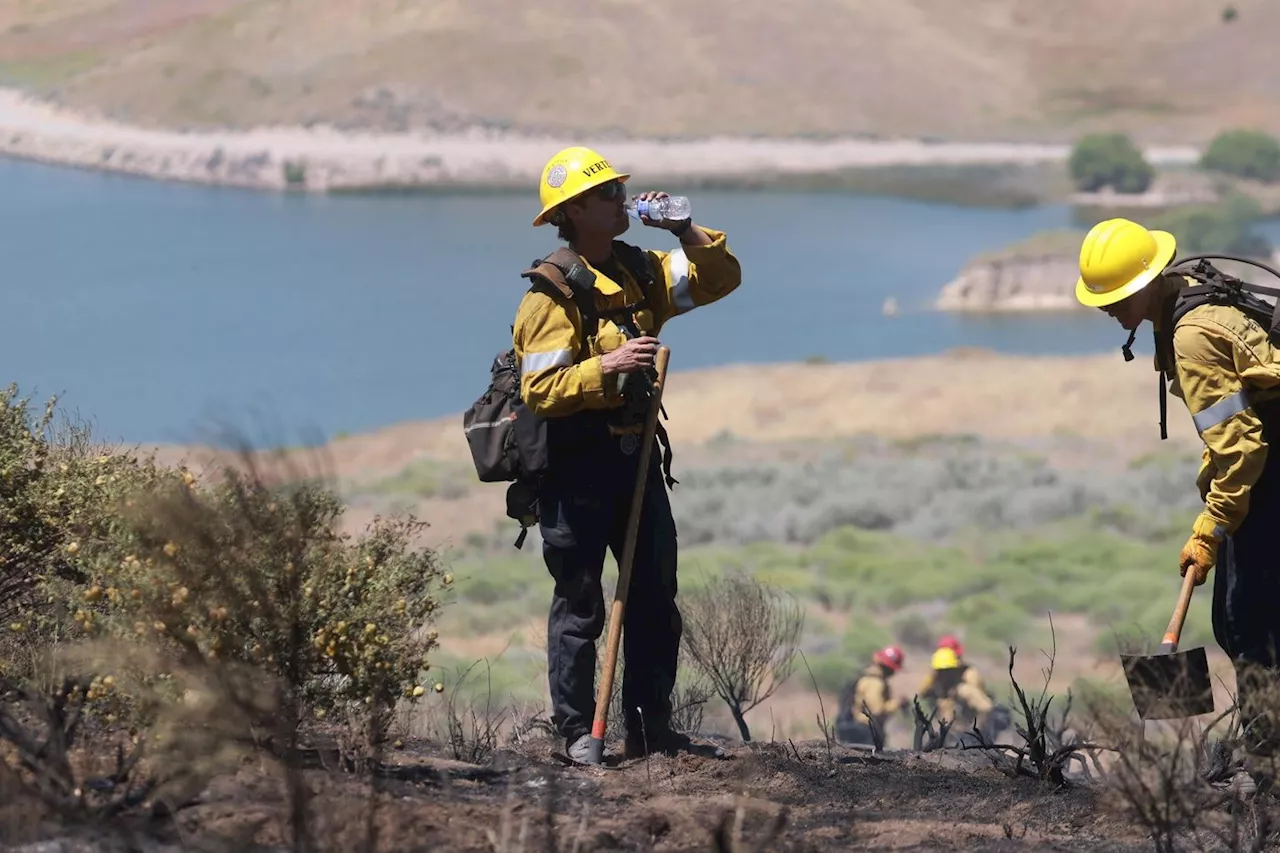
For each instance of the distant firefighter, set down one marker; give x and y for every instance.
(954, 690)
(870, 692)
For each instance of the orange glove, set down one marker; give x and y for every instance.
(1200, 554)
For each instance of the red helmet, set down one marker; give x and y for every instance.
(890, 656)
(950, 641)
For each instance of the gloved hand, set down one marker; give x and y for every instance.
(1200, 554)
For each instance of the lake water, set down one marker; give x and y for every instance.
(154, 307)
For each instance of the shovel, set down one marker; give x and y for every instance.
(1171, 684)
(600, 723)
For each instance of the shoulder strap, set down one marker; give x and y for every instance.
(1203, 263)
(565, 273)
(1214, 287)
(1217, 287)
(636, 260)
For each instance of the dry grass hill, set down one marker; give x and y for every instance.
(1170, 70)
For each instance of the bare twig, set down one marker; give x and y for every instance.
(472, 737)
(742, 635)
(45, 757)
(827, 735)
(1046, 752)
(925, 738)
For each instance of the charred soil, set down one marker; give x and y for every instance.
(781, 797)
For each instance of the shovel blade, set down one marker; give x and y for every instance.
(1165, 687)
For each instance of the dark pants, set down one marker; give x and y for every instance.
(849, 730)
(583, 509)
(1246, 600)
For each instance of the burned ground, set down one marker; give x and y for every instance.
(842, 799)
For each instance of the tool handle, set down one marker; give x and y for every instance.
(1174, 631)
(618, 609)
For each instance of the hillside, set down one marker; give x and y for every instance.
(1015, 501)
(851, 485)
(958, 392)
(1171, 70)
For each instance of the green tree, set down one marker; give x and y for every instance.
(1226, 226)
(1109, 159)
(1245, 154)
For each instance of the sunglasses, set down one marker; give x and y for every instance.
(609, 191)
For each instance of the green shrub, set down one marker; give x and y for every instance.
(1245, 154)
(58, 489)
(927, 491)
(862, 638)
(513, 677)
(253, 571)
(991, 623)
(1139, 626)
(877, 570)
(1109, 160)
(1226, 226)
(294, 172)
(426, 478)
(832, 672)
(915, 631)
(200, 613)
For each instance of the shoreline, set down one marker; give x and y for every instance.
(323, 159)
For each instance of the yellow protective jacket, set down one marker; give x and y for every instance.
(1224, 366)
(872, 690)
(561, 377)
(953, 691)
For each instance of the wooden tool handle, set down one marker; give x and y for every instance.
(603, 695)
(1174, 631)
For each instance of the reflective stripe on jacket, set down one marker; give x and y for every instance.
(557, 378)
(1224, 367)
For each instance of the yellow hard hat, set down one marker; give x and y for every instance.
(945, 659)
(1118, 258)
(570, 173)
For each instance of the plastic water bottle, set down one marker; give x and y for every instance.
(674, 208)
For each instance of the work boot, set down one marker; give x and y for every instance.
(579, 749)
(669, 742)
(1240, 784)
(1262, 770)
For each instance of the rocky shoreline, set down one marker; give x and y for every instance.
(1011, 285)
(1019, 283)
(324, 159)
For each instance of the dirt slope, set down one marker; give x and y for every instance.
(973, 392)
(982, 69)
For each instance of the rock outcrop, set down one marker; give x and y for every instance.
(1044, 282)
(1022, 283)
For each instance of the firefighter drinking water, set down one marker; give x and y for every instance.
(585, 336)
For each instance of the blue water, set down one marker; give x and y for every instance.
(155, 307)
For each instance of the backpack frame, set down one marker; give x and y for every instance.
(508, 442)
(1215, 288)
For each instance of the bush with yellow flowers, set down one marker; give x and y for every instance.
(59, 489)
(245, 568)
(252, 569)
